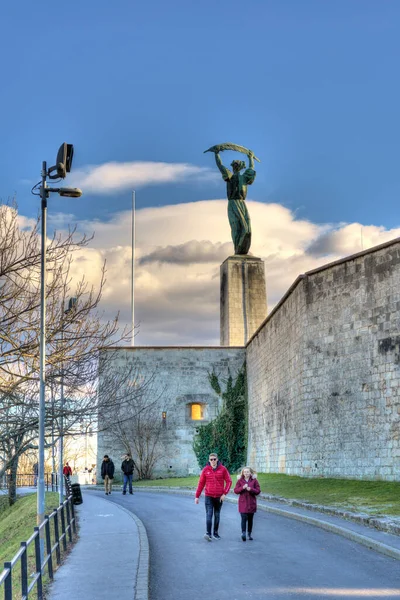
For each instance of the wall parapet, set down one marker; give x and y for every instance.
(300, 278)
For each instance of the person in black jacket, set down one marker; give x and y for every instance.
(127, 467)
(35, 473)
(107, 473)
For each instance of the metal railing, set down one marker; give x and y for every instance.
(29, 480)
(68, 485)
(62, 524)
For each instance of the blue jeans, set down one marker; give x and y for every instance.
(213, 505)
(127, 479)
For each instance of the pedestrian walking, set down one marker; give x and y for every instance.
(35, 473)
(67, 471)
(217, 481)
(248, 488)
(127, 468)
(107, 473)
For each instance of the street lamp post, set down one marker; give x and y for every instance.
(133, 265)
(44, 194)
(63, 166)
(71, 304)
(61, 439)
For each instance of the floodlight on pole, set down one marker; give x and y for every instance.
(63, 163)
(63, 166)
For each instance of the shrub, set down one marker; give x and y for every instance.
(227, 434)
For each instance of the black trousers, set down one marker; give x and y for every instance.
(247, 518)
(213, 506)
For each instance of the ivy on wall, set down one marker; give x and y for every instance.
(227, 434)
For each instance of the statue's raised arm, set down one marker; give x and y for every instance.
(226, 173)
(251, 159)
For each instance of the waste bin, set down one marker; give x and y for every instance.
(76, 493)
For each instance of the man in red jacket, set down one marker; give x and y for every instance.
(67, 471)
(217, 481)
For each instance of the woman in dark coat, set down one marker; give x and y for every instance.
(248, 488)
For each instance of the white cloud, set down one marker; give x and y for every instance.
(113, 176)
(350, 239)
(190, 252)
(177, 292)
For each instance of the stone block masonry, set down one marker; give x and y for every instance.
(181, 373)
(243, 299)
(324, 373)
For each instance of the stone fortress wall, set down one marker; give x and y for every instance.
(324, 373)
(182, 375)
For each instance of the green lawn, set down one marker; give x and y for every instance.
(16, 526)
(373, 497)
(183, 482)
(369, 496)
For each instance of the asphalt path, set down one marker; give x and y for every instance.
(286, 559)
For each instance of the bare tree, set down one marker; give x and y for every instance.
(138, 423)
(73, 337)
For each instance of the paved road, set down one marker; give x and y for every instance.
(287, 559)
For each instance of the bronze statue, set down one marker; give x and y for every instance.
(236, 186)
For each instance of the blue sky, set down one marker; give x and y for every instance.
(312, 87)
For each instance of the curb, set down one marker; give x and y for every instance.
(347, 533)
(384, 523)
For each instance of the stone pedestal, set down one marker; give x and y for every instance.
(243, 298)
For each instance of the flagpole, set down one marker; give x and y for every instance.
(133, 267)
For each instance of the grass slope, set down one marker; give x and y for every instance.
(16, 526)
(17, 523)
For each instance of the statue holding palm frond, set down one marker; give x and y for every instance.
(236, 187)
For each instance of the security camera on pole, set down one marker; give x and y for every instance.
(59, 171)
